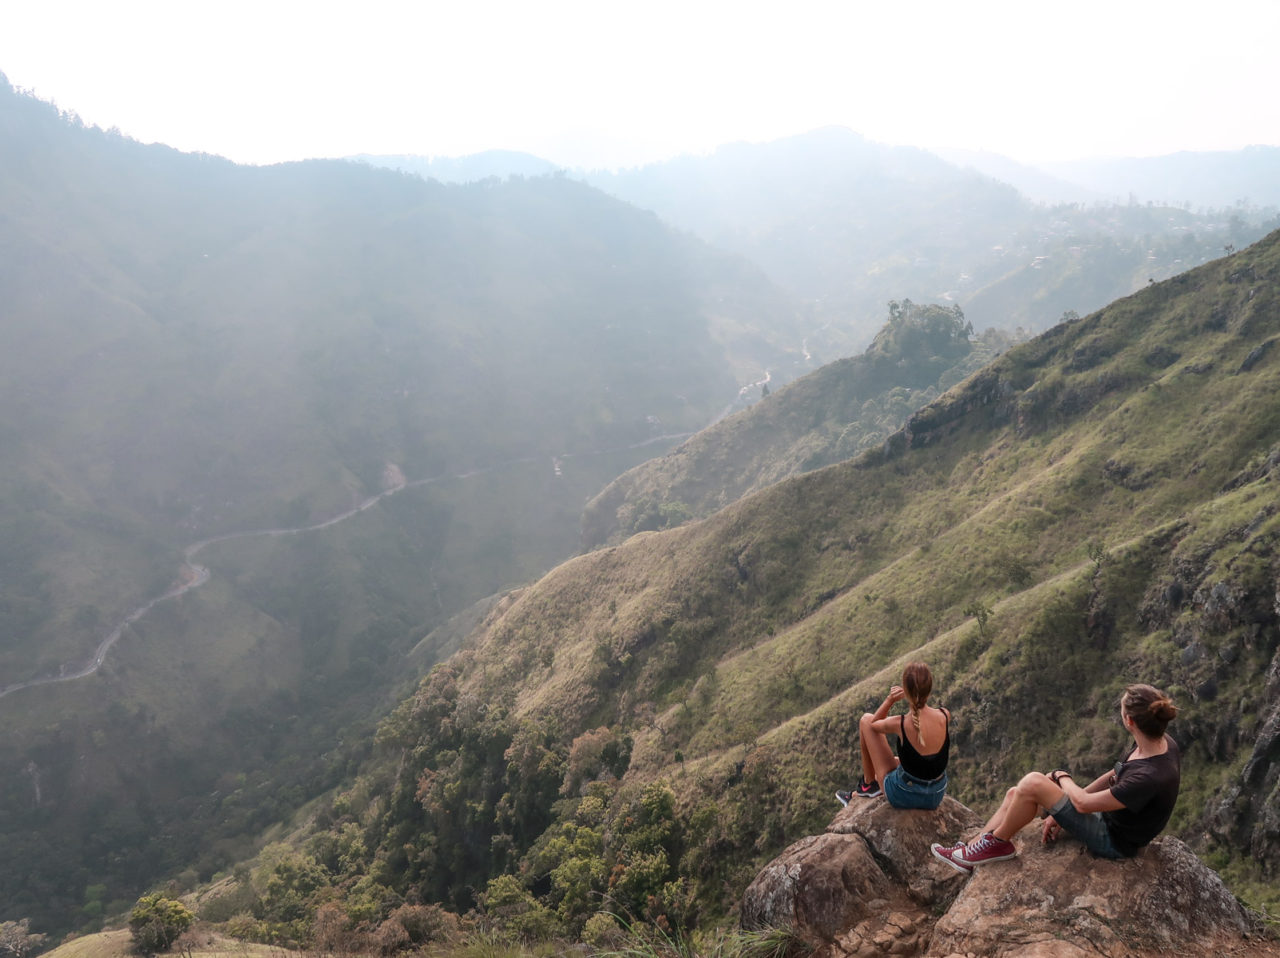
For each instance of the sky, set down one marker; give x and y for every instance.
(612, 83)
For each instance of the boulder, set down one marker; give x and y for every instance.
(1163, 901)
(869, 886)
(900, 838)
(819, 886)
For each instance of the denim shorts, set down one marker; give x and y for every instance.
(904, 790)
(1089, 827)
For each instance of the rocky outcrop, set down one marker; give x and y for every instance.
(820, 886)
(869, 886)
(1164, 901)
(1248, 811)
(900, 839)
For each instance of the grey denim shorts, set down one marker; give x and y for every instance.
(1090, 828)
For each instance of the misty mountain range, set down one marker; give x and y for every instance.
(1246, 177)
(846, 224)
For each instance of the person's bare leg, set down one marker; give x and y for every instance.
(1023, 803)
(998, 816)
(878, 759)
(868, 766)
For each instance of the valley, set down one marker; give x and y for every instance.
(193, 576)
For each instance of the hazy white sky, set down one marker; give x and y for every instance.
(609, 82)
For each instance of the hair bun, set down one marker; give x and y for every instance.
(1164, 709)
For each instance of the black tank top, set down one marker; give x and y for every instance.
(927, 767)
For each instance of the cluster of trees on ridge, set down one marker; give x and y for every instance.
(833, 414)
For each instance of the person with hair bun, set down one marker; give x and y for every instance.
(917, 776)
(1115, 815)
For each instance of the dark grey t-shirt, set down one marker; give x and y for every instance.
(1148, 787)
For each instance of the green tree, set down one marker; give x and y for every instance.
(157, 921)
(980, 611)
(288, 885)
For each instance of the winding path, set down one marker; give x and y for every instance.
(192, 576)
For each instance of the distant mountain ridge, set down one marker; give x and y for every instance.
(848, 224)
(1031, 181)
(1222, 178)
(464, 169)
(1195, 179)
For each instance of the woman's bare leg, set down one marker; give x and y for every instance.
(878, 759)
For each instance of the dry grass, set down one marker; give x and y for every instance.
(206, 944)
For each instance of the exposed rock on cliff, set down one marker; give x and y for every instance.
(869, 886)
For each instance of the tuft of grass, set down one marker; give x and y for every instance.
(639, 940)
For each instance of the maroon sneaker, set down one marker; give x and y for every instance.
(986, 849)
(963, 858)
(948, 853)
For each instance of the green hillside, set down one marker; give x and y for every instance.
(829, 415)
(649, 723)
(202, 355)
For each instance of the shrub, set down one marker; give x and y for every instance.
(516, 912)
(157, 921)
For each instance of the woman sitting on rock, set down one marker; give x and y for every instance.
(917, 776)
(1115, 815)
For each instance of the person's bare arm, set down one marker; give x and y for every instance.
(1085, 800)
(881, 723)
(1094, 797)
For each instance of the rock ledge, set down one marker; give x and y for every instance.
(869, 886)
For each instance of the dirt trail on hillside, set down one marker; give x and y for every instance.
(192, 575)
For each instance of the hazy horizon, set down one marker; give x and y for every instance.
(585, 85)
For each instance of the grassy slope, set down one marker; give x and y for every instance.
(1143, 430)
(831, 414)
(119, 944)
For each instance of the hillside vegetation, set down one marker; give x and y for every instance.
(831, 414)
(641, 729)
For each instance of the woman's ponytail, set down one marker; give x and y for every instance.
(917, 682)
(915, 720)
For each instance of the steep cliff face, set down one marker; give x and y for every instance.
(869, 886)
(1248, 813)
